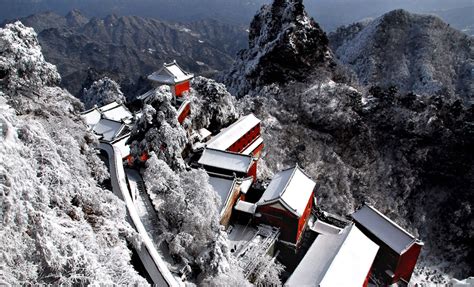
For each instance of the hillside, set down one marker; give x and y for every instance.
(407, 151)
(128, 48)
(413, 52)
(407, 154)
(60, 224)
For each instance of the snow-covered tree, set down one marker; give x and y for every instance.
(102, 92)
(22, 65)
(267, 272)
(159, 131)
(58, 225)
(212, 106)
(189, 219)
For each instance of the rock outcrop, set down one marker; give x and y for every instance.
(285, 44)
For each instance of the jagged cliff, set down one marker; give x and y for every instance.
(407, 154)
(285, 44)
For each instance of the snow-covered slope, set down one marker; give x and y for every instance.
(407, 154)
(418, 53)
(59, 226)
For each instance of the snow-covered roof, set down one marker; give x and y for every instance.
(245, 206)
(246, 184)
(226, 160)
(253, 146)
(147, 94)
(291, 187)
(118, 113)
(108, 129)
(109, 106)
(114, 111)
(122, 146)
(233, 133)
(223, 187)
(322, 227)
(170, 74)
(383, 228)
(203, 134)
(91, 117)
(336, 260)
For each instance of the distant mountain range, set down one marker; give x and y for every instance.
(330, 14)
(229, 11)
(127, 48)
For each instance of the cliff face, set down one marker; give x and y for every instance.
(285, 44)
(60, 225)
(417, 53)
(407, 154)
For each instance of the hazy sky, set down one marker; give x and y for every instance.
(329, 13)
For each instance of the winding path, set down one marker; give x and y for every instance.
(151, 259)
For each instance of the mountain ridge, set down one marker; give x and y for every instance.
(371, 144)
(127, 48)
(416, 53)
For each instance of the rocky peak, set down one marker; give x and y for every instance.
(75, 18)
(285, 44)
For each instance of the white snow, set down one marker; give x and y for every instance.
(223, 187)
(324, 228)
(245, 185)
(383, 228)
(118, 113)
(336, 260)
(109, 106)
(225, 160)
(292, 187)
(203, 134)
(108, 129)
(245, 206)
(91, 117)
(170, 74)
(239, 236)
(468, 282)
(253, 146)
(122, 146)
(233, 133)
(183, 106)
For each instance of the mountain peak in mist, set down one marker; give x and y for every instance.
(284, 44)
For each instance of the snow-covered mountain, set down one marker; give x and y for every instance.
(285, 44)
(59, 224)
(418, 53)
(407, 154)
(410, 155)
